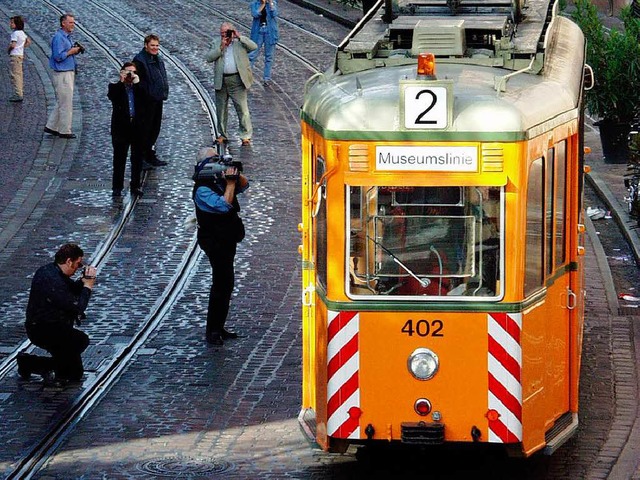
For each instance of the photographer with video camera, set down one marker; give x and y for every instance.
(64, 66)
(56, 303)
(220, 229)
(128, 128)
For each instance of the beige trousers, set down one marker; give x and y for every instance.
(61, 116)
(15, 72)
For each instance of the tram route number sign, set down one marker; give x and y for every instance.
(426, 105)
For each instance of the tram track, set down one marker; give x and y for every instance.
(57, 437)
(8, 363)
(97, 387)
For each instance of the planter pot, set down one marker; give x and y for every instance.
(615, 146)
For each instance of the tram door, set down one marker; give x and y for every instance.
(547, 265)
(314, 268)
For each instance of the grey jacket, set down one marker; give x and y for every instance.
(241, 48)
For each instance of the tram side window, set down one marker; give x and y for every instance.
(424, 241)
(549, 217)
(321, 223)
(560, 203)
(534, 273)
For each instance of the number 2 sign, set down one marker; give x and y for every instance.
(426, 106)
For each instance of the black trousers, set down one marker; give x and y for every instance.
(64, 343)
(121, 145)
(221, 257)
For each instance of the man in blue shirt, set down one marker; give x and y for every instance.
(63, 64)
(219, 230)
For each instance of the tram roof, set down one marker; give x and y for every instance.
(366, 104)
(497, 32)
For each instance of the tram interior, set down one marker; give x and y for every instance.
(424, 241)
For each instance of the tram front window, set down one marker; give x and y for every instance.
(425, 241)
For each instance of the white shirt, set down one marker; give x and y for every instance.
(19, 37)
(229, 60)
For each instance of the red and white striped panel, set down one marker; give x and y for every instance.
(505, 384)
(343, 384)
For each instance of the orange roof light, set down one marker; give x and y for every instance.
(427, 65)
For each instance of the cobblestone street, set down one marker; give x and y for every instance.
(183, 408)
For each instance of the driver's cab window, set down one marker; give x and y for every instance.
(424, 241)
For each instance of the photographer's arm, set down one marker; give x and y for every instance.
(273, 9)
(231, 176)
(248, 44)
(215, 52)
(89, 278)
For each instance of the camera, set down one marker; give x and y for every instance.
(213, 168)
(84, 273)
(229, 33)
(80, 47)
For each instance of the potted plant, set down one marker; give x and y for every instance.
(615, 60)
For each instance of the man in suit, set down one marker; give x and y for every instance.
(232, 78)
(127, 128)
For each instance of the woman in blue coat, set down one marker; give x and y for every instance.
(264, 31)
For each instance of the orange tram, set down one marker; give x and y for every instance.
(442, 232)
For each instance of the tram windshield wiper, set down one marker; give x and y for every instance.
(423, 282)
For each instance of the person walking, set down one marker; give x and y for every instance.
(56, 304)
(63, 63)
(19, 41)
(220, 229)
(232, 79)
(127, 128)
(153, 78)
(264, 32)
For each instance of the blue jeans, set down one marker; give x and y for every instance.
(269, 48)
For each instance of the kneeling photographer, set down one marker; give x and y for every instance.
(217, 182)
(56, 304)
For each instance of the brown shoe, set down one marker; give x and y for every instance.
(221, 139)
(246, 142)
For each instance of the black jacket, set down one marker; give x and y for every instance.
(121, 125)
(218, 228)
(153, 75)
(55, 298)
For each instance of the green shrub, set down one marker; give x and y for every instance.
(615, 60)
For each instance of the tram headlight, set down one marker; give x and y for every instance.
(423, 363)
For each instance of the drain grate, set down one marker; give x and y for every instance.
(184, 467)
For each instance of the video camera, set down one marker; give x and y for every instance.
(81, 48)
(213, 168)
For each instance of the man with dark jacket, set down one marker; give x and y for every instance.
(219, 231)
(153, 78)
(127, 128)
(56, 303)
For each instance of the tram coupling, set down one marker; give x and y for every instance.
(422, 433)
